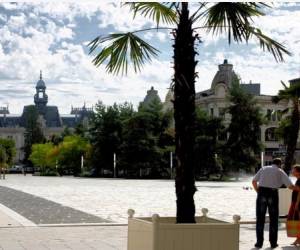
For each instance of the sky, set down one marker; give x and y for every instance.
(52, 36)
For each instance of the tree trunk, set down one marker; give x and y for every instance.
(184, 116)
(292, 137)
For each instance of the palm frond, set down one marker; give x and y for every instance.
(233, 18)
(284, 85)
(122, 48)
(236, 20)
(158, 12)
(266, 43)
(288, 93)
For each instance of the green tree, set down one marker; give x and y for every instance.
(106, 133)
(289, 126)
(139, 151)
(243, 145)
(207, 145)
(33, 131)
(8, 150)
(40, 157)
(3, 159)
(235, 19)
(147, 142)
(70, 152)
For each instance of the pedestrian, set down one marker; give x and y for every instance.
(294, 210)
(266, 183)
(24, 170)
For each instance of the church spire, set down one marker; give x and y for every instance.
(41, 98)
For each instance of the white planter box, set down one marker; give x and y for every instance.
(162, 233)
(285, 199)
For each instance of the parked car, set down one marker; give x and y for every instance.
(15, 169)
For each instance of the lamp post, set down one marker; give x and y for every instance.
(115, 165)
(171, 164)
(262, 158)
(81, 165)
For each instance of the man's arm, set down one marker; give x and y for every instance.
(255, 186)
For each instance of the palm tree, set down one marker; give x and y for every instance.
(235, 19)
(289, 127)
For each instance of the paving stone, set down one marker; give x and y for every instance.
(43, 211)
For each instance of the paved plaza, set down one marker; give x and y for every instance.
(111, 198)
(93, 214)
(42, 211)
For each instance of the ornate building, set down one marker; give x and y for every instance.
(214, 102)
(13, 126)
(152, 96)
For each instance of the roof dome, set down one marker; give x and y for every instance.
(41, 83)
(225, 75)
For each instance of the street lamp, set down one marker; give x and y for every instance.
(262, 158)
(81, 166)
(171, 164)
(115, 165)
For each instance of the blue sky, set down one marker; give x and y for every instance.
(52, 37)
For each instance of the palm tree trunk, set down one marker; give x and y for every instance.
(292, 137)
(184, 116)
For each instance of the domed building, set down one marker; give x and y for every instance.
(214, 102)
(52, 123)
(152, 96)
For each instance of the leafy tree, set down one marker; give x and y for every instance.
(243, 144)
(40, 157)
(207, 146)
(33, 131)
(235, 19)
(147, 133)
(8, 150)
(67, 132)
(139, 150)
(70, 152)
(289, 126)
(56, 139)
(3, 159)
(106, 133)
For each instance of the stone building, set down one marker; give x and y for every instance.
(214, 102)
(152, 96)
(13, 126)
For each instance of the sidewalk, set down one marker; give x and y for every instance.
(29, 222)
(14, 236)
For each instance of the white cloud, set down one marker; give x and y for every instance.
(121, 19)
(44, 38)
(3, 17)
(17, 23)
(160, 36)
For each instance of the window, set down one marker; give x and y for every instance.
(274, 115)
(222, 112)
(270, 135)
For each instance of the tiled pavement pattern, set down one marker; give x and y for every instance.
(64, 238)
(101, 238)
(42, 211)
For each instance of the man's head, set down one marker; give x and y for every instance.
(277, 162)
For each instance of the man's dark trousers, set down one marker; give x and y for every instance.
(267, 198)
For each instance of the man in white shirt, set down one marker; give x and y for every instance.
(266, 183)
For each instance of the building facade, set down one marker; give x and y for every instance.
(51, 122)
(214, 101)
